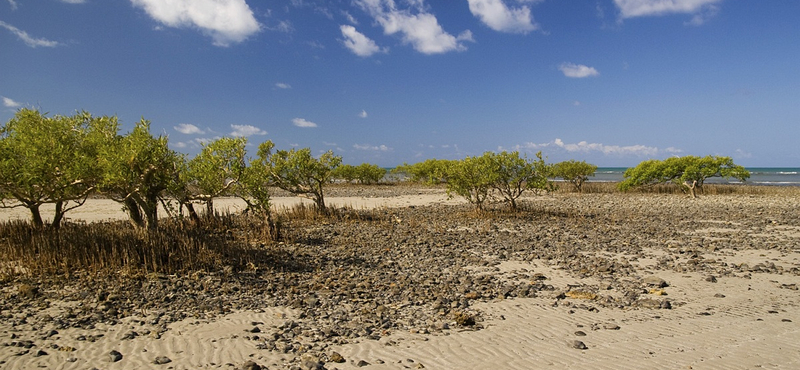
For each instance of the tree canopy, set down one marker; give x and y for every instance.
(574, 172)
(689, 172)
(48, 160)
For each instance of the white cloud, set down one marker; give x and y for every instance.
(577, 70)
(226, 21)
(9, 103)
(673, 150)
(188, 129)
(416, 27)
(363, 114)
(576, 103)
(282, 85)
(73, 1)
(378, 148)
(702, 16)
(586, 147)
(359, 44)
(27, 39)
(246, 130)
(499, 17)
(179, 144)
(13, 4)
(349, 17)
(301, 122)
(644, 8)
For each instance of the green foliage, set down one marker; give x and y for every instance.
(574, 172)
(471, 178)
(513, 175)
(254, 189)
(216, 170)
(431, 171)
(690, 172)
(369, 173)
(345, 172)
(364, 173)
(137, 169)
(298, 172)
(47, 160)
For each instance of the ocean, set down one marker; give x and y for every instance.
(780, 176)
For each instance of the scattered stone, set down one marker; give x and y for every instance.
(610, 326)
(114, 356)
(719, 295)
(711, 279)
(580, 333)
(655, 282)
(337, 358)
(161, 360)
(40, 353)
(579, 345)
(362, 363)
(28, 291)
(250, 365)
(581, 294)
(786, 320)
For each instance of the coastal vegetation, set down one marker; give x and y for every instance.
(574, 172)
(688, 172)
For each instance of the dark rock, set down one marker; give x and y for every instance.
(250, 365)
(337, 358)
(579, 345)
(362, 363)
(161, 360)
(114, 356)
(580, 333)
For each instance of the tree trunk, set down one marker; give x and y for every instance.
(59, 215)
(134, 213)
(150, 209)
(192, 213)
(210, 208)
(319, 200)
(36, 217)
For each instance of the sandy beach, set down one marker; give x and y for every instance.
(592, 281)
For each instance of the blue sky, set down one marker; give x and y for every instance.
(612, 82)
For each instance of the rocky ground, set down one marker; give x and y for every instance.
(370, 273)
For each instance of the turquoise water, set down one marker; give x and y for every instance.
(786, 176)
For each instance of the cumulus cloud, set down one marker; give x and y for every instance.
(644, 8)
(225, 21)
(577, 70)
(499, 17)
(27, 39)
(374, 148)
(188, 129)
(586, 147)
(282, 85)
(359, 44)
(13, 4)
(246, 130)
(9, 103)
(363, 114)
(415, 25)
(301, 122)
